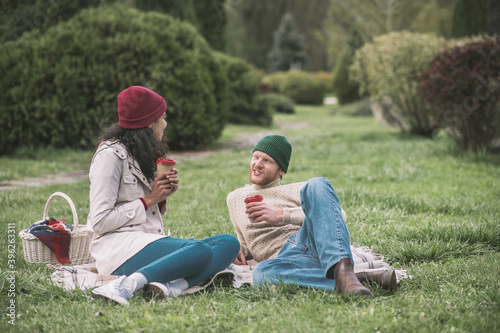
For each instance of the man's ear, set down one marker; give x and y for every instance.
(282, 173)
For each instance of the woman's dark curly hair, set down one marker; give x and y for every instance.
(140, 144)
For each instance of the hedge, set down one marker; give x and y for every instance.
(243, 89)
(20, 16)
(463, 83)
(346, 90)
(274, 80)
(60, 87)
(324, 79)
(388, 68)
(302, 88)
(279, 103)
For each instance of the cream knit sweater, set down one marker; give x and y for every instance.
(264, 240)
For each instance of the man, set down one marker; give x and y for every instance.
(297, 232)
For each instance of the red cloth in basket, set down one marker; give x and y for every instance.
(56, 235)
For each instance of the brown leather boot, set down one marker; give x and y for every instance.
(385, 278)
(346, 281)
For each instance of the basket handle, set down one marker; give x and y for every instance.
(71, 204)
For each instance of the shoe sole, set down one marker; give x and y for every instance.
(394, 282)
(155, 291)
(97, 295)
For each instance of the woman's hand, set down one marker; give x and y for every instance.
(171, 176)
(163, 186)
(240, 259)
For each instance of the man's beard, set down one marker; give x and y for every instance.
(262, 180)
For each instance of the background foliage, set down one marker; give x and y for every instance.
(272, 82)
(302, 88)
(288, 50)
(469, 18)
(243, 92)
(345, 89)
(463, 83)
(207, 16)
(19, 16)
(60, 85)
(279, 103)
(333, 30)
(250, 27)
(388, 68)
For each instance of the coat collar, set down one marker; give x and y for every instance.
(121, 151)
(136, 171)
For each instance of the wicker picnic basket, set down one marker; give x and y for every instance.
(36, 252)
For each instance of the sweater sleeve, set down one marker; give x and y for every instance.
(293, 215)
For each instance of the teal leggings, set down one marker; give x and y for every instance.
(168, 259)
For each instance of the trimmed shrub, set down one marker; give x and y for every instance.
(20, 16)
(388, 68)
(324, 79)
(273, 81)
(181, 9)
(60, 87)
(261, 115)
(463, 82)
(359, 108)
(279, 103)
(243, 89)
(258, 73)
(212, 19)
(346, 90)
(207, 16)
(302, 89)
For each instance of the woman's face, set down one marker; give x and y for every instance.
(158, 127)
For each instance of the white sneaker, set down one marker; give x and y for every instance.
(118, 291)
(162, 290)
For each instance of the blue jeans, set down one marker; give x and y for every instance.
(168, 259)
(307, 256)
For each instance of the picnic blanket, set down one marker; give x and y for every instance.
(86, 276)
(56, 235)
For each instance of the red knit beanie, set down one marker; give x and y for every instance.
(139, 107)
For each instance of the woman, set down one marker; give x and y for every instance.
(127, 201)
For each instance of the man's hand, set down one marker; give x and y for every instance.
(260, 211)
(240, 259)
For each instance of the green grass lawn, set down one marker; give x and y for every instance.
(427, 207)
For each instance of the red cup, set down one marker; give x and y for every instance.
(164, 164)
(256, 198)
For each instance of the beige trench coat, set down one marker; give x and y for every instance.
(121, 226)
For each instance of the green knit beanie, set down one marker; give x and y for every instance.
(276, 146)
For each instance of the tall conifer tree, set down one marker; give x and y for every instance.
(288, 51)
